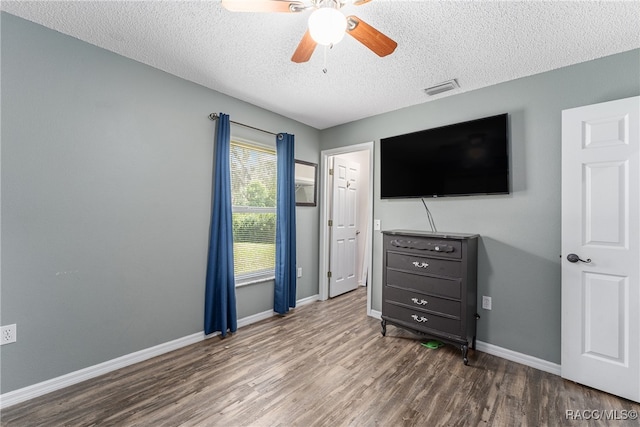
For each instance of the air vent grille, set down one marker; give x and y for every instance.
(442, 87)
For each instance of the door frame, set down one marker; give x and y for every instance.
(325, 192)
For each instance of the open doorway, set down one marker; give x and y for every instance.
(362, 154)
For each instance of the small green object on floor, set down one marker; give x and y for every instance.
(434, 344)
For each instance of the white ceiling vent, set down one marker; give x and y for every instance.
(442, 87)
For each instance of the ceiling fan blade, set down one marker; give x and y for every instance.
(380, 44)
(263, 6)
(305, 48)
(360, 2)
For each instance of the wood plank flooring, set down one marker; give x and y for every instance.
(325, 364)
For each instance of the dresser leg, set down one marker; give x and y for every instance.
(464, 349)
(383, 323)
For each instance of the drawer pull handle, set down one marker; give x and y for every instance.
(421, 302)
(419, 319)
(420, 264)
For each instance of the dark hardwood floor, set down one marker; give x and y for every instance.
(325, 364)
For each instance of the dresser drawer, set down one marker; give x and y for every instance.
(427, 246)
(408, 262)
(424, 284)
(422, 302)
(420, 320)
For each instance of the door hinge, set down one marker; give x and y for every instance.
(330, 171)
(329, 274)
(330, 223)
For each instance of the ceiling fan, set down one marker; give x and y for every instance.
(327, 24)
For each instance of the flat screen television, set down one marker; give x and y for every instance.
(462, 159)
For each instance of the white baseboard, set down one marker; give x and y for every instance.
(48, 386)
(246, 321)
(514, 356)
(39, 389)
(308, 300)
(523, 359)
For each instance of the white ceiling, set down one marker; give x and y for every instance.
(247, 55)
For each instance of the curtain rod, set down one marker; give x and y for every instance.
(214, 116)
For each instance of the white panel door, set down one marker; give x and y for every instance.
(344, 247)
(601, 246)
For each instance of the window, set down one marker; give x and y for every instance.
(253, 193)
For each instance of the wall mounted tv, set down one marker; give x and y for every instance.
(461, 159)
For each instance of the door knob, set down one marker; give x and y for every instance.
(576, 258)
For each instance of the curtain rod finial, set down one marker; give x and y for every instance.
(213, 116)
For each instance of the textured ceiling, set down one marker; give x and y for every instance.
(247, 55)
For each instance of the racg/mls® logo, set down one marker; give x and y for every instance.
(599, 414)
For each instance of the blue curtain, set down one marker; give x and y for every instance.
(220, 297)
(285, 284)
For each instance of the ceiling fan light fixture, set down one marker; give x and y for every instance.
(327, 26)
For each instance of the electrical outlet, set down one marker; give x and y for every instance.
(486, 303)
(376, 224)
(299, 271)
(8, 334)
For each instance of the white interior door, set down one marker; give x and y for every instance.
(601, 227)
(344, 247)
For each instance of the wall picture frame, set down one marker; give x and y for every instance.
(306, 174)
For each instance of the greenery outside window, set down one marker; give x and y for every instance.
(253, 194)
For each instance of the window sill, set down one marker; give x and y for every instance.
(254, 280)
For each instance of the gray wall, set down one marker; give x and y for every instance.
(106, 189)
(519, 265)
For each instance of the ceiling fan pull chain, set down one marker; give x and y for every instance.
(324, 63)
(324, 68)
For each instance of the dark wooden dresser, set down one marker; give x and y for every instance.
(429, 285)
